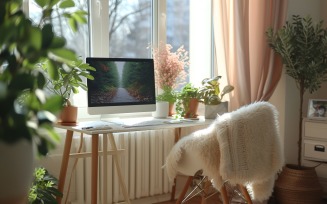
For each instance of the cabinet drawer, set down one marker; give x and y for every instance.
(315, 150)
(317, 130)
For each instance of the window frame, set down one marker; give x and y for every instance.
(99, 25)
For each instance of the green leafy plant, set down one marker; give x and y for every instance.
(210, 94)
(302, 46)
(44, 188)
(26, 112)
(188, 92)
(168, 94)
(69, 79)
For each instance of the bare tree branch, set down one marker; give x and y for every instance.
(113, 16)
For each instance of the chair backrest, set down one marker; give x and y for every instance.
(242, 147)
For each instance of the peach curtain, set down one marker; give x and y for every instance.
(241, 47)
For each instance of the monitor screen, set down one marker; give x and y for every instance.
(121, 85)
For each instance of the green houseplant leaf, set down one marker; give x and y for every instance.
(209, 92)
(44, 188)
(168, 94)
(188, 92)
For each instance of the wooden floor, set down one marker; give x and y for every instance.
(197, 200)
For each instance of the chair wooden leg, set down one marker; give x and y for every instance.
(206, 190)
(245, 194)
(224, 194)
(184, 191)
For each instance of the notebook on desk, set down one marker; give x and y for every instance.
(94, 125)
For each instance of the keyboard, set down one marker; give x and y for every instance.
(151, 122)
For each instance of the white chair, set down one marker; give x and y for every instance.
(241, 147)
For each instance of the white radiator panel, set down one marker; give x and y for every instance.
(141, 164)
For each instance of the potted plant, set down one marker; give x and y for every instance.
(67, 81)
(211, 96)
(169, 71)
(26, 113)
(170, 96)
(187, 101)
(302, 46)
(44, 187)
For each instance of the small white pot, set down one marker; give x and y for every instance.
(16, 169)
(162, 109)
(212, 111)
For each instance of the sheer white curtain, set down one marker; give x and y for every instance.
(242, 49)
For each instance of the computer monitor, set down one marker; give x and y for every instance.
(121, 85)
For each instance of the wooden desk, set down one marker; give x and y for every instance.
(108, 133)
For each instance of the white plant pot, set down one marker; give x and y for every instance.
(16, 169)
(162, 109)
(212, 111)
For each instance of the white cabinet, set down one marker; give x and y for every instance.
(314, 148)
(315, 140)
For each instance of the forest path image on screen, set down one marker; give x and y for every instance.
(122, 95)
(121, 82)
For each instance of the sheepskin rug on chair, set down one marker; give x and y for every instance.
(242, 147)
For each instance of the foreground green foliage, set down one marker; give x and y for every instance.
(26, 111)
(44, 188)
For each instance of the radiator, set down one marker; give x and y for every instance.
(141, 164)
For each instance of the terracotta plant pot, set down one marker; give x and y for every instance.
(296, 185)
(68, 116)
(192, 108)
(171, 109)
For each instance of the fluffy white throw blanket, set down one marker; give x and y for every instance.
(242, 147)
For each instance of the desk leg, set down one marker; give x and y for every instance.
(64, 163)
(120, 176)
(94, 171)
(105, 167)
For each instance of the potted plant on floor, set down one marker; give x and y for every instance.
(211, 96)
(187, 102)
(302, 46)
(44, 187)
(26, 113)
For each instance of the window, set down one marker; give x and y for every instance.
(178, 26)
(126, 28)
(189, 24)
(130, 28)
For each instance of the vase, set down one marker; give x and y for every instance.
(161, 109)
(298, 185)
(212, 111)
(17, 164)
